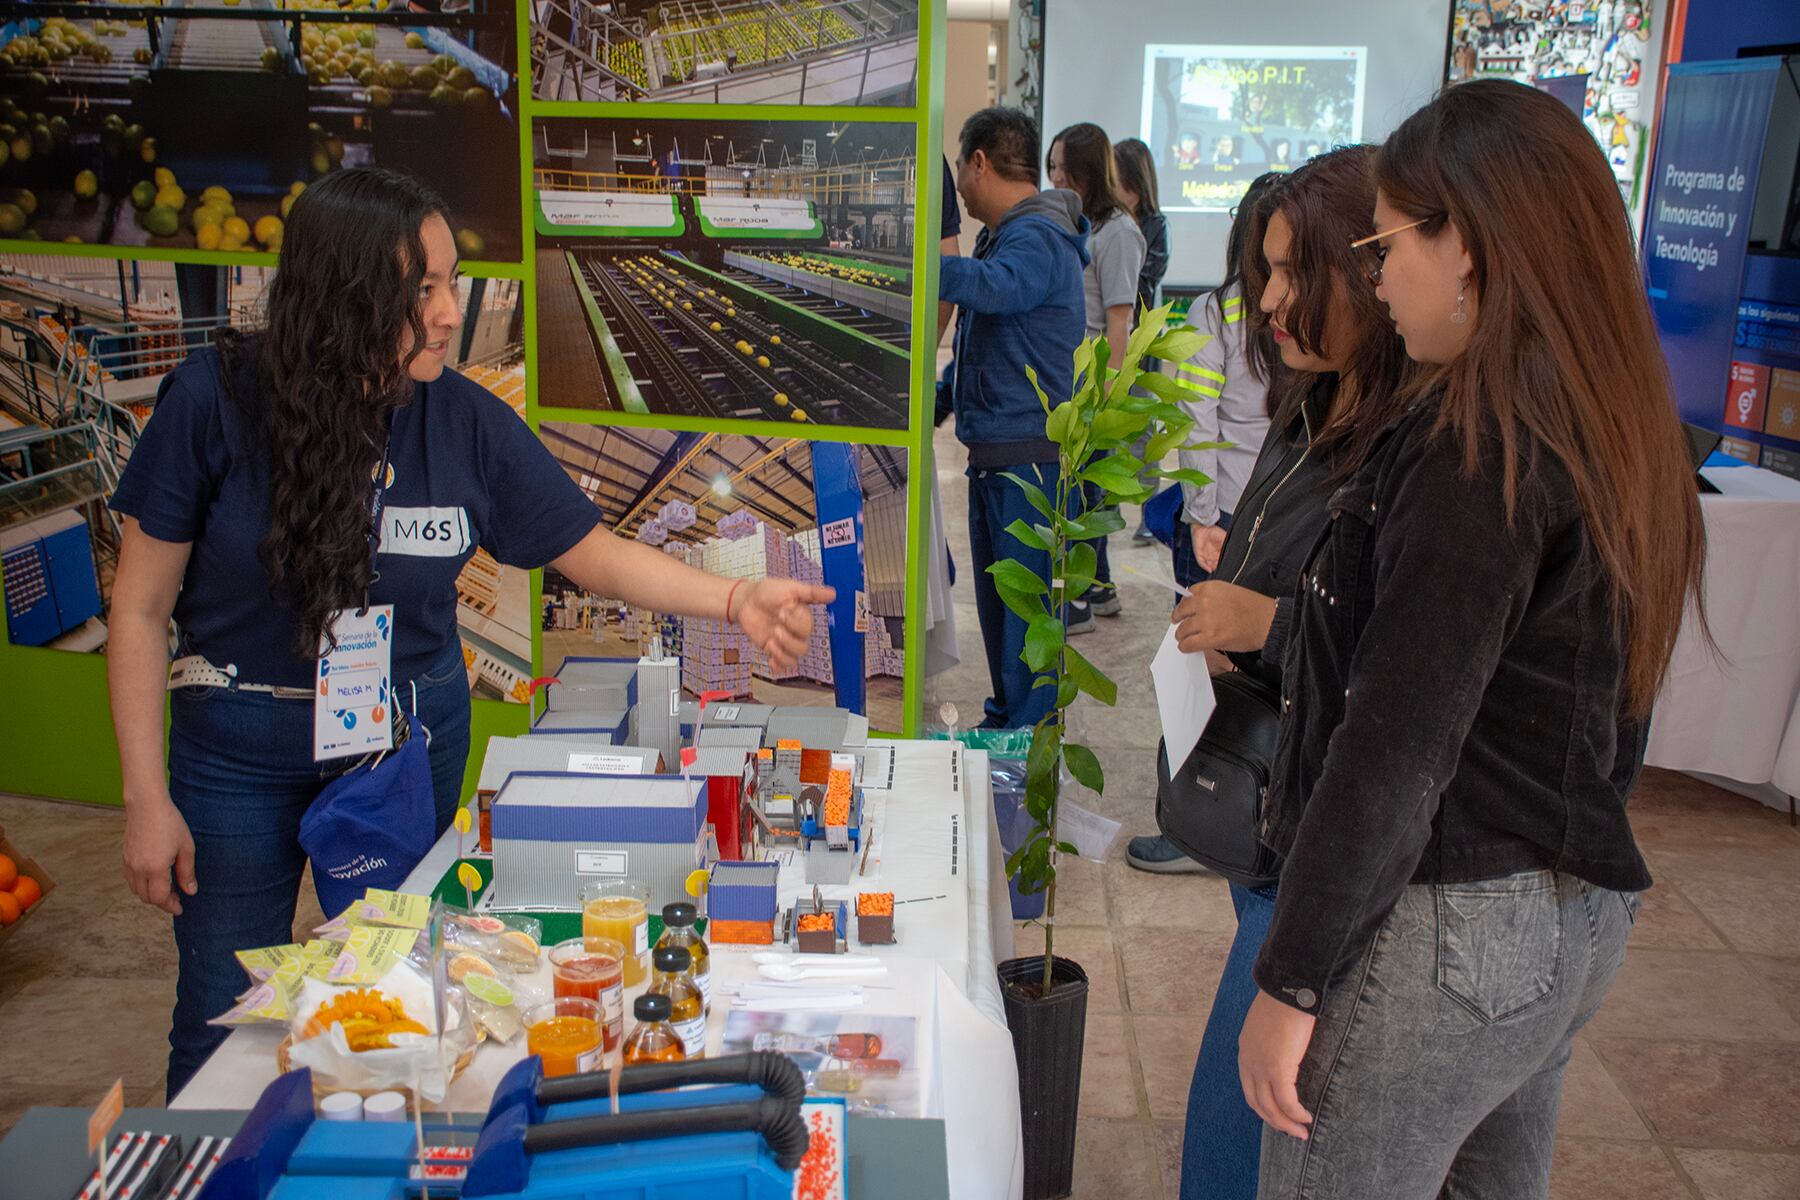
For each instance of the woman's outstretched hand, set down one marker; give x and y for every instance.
(776, 614)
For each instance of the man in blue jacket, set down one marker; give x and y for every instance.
(1019, 304)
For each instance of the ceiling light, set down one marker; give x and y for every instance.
(721, 486)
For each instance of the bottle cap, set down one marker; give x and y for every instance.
(652, 1006)
(673, 960)
(341, 1106)
(679, 915)
(385, 1106)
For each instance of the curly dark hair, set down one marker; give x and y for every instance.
(330, 375)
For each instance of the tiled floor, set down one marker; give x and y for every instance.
(1686, 1087)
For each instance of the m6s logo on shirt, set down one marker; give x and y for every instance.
(425, 532)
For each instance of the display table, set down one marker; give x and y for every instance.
(936, 847)
(1737, 714)
(43, 1158)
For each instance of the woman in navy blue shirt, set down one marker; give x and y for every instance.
(252, 519)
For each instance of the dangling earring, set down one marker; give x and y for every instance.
(1460, 316)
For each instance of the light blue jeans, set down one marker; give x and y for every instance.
(1223, 1142)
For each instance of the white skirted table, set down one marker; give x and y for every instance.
(937, 849)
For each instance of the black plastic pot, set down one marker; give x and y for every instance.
(1047, 1037)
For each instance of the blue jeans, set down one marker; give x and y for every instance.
(241, 772)
(1188, 570)
(1436, 1067)
(994, 503)
(1223, 1141)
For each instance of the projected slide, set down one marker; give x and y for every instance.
(1216, 117)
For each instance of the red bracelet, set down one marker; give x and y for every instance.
(728, 596)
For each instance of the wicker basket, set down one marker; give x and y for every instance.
(320, 1089)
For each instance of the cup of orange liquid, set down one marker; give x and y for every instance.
(619, 909)
(566, 1034)
(592, 968)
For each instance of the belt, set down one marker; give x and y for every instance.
(196, 671)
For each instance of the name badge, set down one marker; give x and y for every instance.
(353, 705)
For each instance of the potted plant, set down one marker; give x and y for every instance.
(1094, 431)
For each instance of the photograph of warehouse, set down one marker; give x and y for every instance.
(115, 128)
(727, 269)
(85, 344)
(726, 51)
(748, 508)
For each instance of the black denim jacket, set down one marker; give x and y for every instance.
(1452, 697)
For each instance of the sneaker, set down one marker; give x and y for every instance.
(1143, 536)
(1158, 855)
(1103, 599)
(1081, 619)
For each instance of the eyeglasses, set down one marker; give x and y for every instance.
(1373, 254)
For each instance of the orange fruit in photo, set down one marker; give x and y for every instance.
(9, 871)
(10, 909)
(27, 892)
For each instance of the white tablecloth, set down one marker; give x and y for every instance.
(1737, 715)
(950, 937)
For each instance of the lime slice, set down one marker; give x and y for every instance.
(486, 987)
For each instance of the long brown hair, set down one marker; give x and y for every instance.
(1550, 247)
(1329, 202)
(1088, 162)
(1136, 172)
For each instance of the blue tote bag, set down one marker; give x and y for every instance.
(371, 825)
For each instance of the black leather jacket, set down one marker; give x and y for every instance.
(1277, 522)
(1452, 697)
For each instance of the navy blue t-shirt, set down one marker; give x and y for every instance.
(466, 472)
(952, 215)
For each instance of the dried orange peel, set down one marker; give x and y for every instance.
(875, 904)
(837, 798)
(817, 922)
(369, 1018)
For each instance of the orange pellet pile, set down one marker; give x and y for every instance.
(837, 798)
(817, 922)
(818, 1177)
(875, 904)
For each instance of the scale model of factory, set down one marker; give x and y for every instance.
(604, 788)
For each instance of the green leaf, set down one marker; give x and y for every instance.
(1170, 436)
(1117, 425)
(1113, 468)
(1182, 342)
(1033, 493)
(1043, 639)
(1027, 606)
(1095, 524)
(1173, 390)
(1082, 560)
(1210, 446)
(1029, 535)
(1091, 679)
(1057, 427)
(1040, 760)
(1067, 848)
(1044, 400)
(1067, 690)
(1187, 475)
(1085, 767)
(1010, 572)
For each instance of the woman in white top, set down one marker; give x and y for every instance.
(1081, 160)
(1233, 371)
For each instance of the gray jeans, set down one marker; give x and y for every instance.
(1436, 1069)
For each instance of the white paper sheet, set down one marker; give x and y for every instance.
(1184, 697)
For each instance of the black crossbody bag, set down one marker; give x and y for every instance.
(1210, 808)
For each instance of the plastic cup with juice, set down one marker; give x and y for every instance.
(565, 1033)
(592, 968)
(620, 909)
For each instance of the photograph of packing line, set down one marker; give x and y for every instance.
(748, 508)
(85, 345)
(736, 269)
(190, 125)
(726, 51)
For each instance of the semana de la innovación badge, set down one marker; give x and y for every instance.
(353, 706)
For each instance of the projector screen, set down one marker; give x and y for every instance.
(1222, 92)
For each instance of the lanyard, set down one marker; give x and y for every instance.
(376, 502)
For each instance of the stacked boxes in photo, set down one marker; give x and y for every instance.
(740, 903)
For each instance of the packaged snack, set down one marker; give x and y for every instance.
(261, 963)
